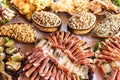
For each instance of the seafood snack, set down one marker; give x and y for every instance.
(108, 27)
(30, 6)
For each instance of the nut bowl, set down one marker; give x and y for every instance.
(46, 21)
(81, 23)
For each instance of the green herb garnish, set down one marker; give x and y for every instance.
(4, 21)
(97, 46)
(5, 3)
(7, 39)
(117, 2)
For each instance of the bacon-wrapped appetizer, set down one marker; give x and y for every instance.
(59, 56)
(108, 58)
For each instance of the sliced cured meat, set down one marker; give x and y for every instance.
(108, 58)
(59, 56)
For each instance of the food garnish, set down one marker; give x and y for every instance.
(19, 31)
(117, 2)
(97, 46)
(59, 56)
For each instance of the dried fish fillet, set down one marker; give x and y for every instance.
(108, 27)
(30, 6)
(99, 7)
(70, 6)
(21, 32)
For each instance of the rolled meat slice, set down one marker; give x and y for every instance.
(30, 71)
(54, 72)
(45, 62)
(47, 76)
(46, 69)
(34, 75)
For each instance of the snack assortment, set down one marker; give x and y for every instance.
(108, 58)
(19, 31)
(28, 7)
(100, 7)
(6, 14)
(59, 56)
(70, 6)
(10, 59)
(108, 27)
(57, 38)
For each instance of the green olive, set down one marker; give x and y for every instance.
(2, 40)
(11, 50)
(10, 43)
(1, 49)
(13, 66)
(2, 56)
(2, 66)
(17, 56)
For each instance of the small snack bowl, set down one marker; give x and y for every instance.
(46, 21)
(81, 23)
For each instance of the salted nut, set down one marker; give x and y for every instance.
(2, 56)
(2, 66)
(46, 21)
(19, 31)
(81, 23)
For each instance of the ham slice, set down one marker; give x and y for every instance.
(61, 76)
(53, 59)
(45, 62)
(47, 76)
(113, 75)
(27, 66)
(68, 53)
(54, 72)
(40, 59)
(57, 75)
(34, 75)
(38, 77)
(46, 69)
(30, 71)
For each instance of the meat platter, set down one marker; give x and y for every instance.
(56, 43)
